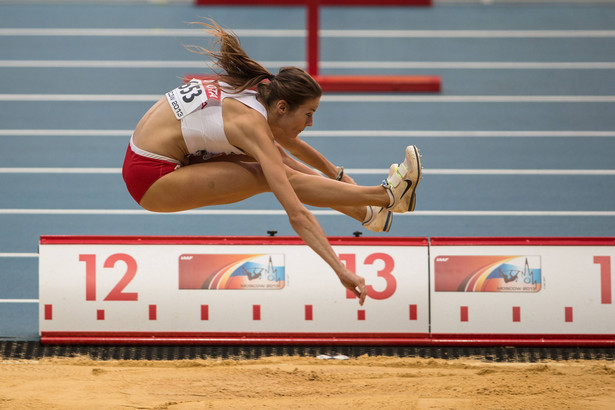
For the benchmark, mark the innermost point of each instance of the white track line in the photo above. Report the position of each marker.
(469, 65)
(81, 97)
(65, 133)
(356, 98)
(26, 170)
(18, 255)
(355, 171)
(338, 133)
(512, 213)
(452, 134)
(468, 33)
(272, 212)
(435, 171)
(299, 33)
(19, 300)
(468, 98)
(195, 64)
(347, 65)
(170, 32)
(518, 171)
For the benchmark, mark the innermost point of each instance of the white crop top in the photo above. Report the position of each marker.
(198, 105)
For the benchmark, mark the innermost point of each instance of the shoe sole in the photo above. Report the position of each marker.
(419, 169)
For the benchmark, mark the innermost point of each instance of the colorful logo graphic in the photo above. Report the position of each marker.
(487, 273)
(222, 271)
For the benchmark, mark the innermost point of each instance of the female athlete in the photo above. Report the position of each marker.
(219, 142)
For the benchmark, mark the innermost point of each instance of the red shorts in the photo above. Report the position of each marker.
(140, 171)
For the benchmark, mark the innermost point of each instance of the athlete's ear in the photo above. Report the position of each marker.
(282, 107)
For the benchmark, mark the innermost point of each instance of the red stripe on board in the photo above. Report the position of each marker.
(516, 314)
(48, 312)
(204, 312)
(511, 241)
(152, 312)
(413, 312)
(308, 312)
(223, 240)
(463, 313)
(100, 314)
(568, 314)
(383, 339)
(256, 312)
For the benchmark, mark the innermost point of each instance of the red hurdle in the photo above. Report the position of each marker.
(342, 83)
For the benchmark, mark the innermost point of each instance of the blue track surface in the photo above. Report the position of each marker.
(515, 132)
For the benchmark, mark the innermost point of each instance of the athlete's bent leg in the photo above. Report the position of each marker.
(204, 184)
(224, 182)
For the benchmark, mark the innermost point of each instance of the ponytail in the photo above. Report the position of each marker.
(241, 72)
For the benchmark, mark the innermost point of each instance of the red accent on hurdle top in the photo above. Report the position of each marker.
(364, 83)
(379, 83)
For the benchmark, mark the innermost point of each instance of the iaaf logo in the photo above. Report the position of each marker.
(186, 258)
(441, 259)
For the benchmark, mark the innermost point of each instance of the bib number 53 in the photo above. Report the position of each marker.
(190, 90)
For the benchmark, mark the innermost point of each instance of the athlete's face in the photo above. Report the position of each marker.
(295, 121)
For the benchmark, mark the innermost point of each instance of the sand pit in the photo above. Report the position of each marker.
(306, 383)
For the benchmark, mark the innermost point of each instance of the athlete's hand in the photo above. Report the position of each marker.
(355, 283)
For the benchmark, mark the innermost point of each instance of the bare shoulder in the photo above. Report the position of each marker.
(244, 127)
(234, 111)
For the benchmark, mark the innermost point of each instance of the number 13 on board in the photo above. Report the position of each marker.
(386, 273)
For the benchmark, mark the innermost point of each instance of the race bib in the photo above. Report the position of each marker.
(192, 96)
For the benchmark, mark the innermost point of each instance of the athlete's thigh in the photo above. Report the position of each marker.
(209, 183)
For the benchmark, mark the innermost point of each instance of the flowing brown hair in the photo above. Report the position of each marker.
(292, 84)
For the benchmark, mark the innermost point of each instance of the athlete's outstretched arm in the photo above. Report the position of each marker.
(249, 131)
